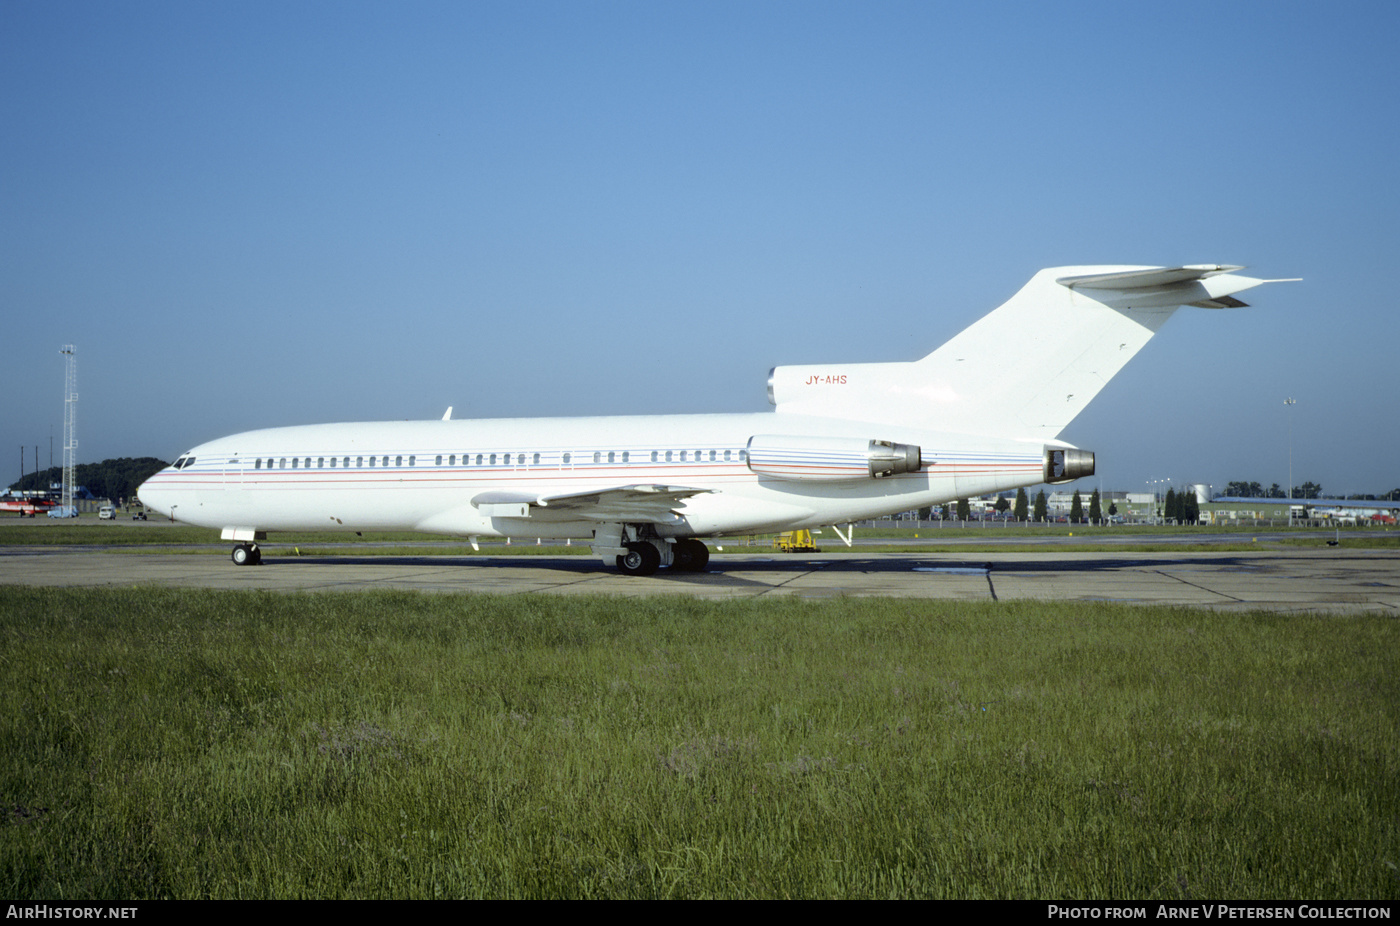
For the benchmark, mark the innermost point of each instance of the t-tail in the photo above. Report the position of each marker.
(1025, 370)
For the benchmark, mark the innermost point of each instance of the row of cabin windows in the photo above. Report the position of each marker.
(490, 459)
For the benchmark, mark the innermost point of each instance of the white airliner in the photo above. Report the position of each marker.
(847, 441)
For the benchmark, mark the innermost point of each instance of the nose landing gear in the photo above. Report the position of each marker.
(247, 554)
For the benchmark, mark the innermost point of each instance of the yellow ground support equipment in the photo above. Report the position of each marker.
(795, 542)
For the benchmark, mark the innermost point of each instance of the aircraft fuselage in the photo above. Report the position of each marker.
(431, 475)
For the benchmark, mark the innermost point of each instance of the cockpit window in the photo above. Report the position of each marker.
(183, 462)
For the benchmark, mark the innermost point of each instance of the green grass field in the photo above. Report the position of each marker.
(164, 743)
(159, 537)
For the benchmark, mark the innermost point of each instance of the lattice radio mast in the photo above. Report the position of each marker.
(70, 422)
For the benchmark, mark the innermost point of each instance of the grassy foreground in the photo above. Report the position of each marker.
(167, 743)
(160, 537)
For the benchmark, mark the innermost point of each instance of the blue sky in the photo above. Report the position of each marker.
(256, 214)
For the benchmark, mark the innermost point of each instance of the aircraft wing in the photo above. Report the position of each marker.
(656, 504)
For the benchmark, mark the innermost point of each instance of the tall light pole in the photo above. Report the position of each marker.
(70, 425)
(1290, 403)
(1154, 484)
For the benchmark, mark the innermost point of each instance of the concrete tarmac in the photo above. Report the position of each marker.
(1334, 580)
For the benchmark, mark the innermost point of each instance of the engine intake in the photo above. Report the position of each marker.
(829, 459)
(1062, 465)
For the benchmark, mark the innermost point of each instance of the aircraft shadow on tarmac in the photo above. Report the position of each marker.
(762, 564)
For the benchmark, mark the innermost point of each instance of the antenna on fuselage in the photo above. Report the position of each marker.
(447, 415)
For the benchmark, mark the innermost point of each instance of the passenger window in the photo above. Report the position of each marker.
(653, 456)
(520, 459)
(624, 456)
(537, 459)
(294, 462)
(682, 456)
(439, 460)
(371, 461)
(712, 456)
(359, 462)
(743, 455)
(332, 462)
(726, 456)
(566, 458)
(478, 459)
(597, 456)
(320, 462)
(668, 456)
(610, 456)
(412, 458)
(493, 459)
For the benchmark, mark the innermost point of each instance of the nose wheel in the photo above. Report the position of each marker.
(247, 554)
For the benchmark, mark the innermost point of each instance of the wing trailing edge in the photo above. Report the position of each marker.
(656, 504)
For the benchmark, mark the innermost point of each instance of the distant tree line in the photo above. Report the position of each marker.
(110, 479)
(1306, 490)
(1255, 490)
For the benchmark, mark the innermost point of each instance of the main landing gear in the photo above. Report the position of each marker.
(690, 555)
(247, 554)
(643, 557)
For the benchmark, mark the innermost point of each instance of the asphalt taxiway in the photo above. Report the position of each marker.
(1322, 579)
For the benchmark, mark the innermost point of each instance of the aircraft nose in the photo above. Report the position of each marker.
(153, 497)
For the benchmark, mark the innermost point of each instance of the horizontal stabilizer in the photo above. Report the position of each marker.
(1144, 277)
(1224, 302)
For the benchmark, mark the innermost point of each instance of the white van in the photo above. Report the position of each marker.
(107, 513)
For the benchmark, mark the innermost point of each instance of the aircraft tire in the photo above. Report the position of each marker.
(641, 559)
(243, 555)
(690, 555)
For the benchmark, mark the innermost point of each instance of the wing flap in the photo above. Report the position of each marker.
(649, 503)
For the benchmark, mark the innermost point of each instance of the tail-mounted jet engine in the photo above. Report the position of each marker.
(829, 459)
(1067, 465)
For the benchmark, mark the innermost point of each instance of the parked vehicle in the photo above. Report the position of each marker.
(107, 513)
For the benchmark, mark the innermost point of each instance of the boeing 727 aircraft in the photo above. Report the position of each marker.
(845, 442)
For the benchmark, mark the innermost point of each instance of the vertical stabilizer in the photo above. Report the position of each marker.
(1026, 369)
